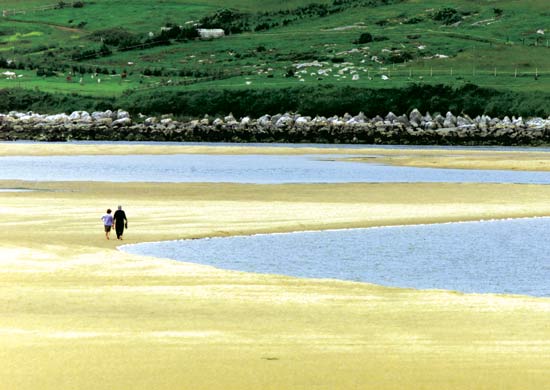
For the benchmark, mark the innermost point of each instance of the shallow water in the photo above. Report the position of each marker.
(293, 145)
(510, 256)
(261, 169)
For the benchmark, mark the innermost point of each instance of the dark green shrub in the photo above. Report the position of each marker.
(413, 20)
(333, 100)
(116, 36)
(398, 57)
(232, 22)
(365, 37)
(181, 33)
(104, 50)
(447, 16)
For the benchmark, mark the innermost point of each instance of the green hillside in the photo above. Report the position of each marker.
(108, 48)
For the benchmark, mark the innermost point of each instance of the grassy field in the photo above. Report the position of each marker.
(497, 44)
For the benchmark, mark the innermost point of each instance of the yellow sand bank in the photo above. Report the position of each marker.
(77, 314)
(520, 161)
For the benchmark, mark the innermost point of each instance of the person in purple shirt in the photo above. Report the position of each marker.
(108, 223)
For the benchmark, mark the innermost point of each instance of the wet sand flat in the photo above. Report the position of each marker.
(77, 313)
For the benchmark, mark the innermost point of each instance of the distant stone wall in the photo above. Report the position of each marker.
(414, 128)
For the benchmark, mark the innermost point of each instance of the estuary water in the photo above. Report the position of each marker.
(260, 169)
(484, 257)
(507, 256)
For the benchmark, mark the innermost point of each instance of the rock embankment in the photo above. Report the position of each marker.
(414, 128)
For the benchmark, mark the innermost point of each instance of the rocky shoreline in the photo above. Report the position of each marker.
(415, 129)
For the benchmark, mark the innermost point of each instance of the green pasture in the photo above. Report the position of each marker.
(142, 17)
(137, 15)
(396, 79)
(91, 85)
(24, 4)
(246, 5)
(112, 86)
(498, 44)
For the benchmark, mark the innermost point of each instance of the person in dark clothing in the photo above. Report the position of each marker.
(120, 222)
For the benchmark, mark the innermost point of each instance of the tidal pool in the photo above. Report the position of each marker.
(506, 256)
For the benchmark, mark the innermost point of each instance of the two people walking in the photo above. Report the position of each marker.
(118, 221)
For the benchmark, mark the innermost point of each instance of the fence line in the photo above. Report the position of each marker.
(453, 72)
(12, 12)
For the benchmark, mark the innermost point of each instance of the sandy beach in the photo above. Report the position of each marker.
(76, 313)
